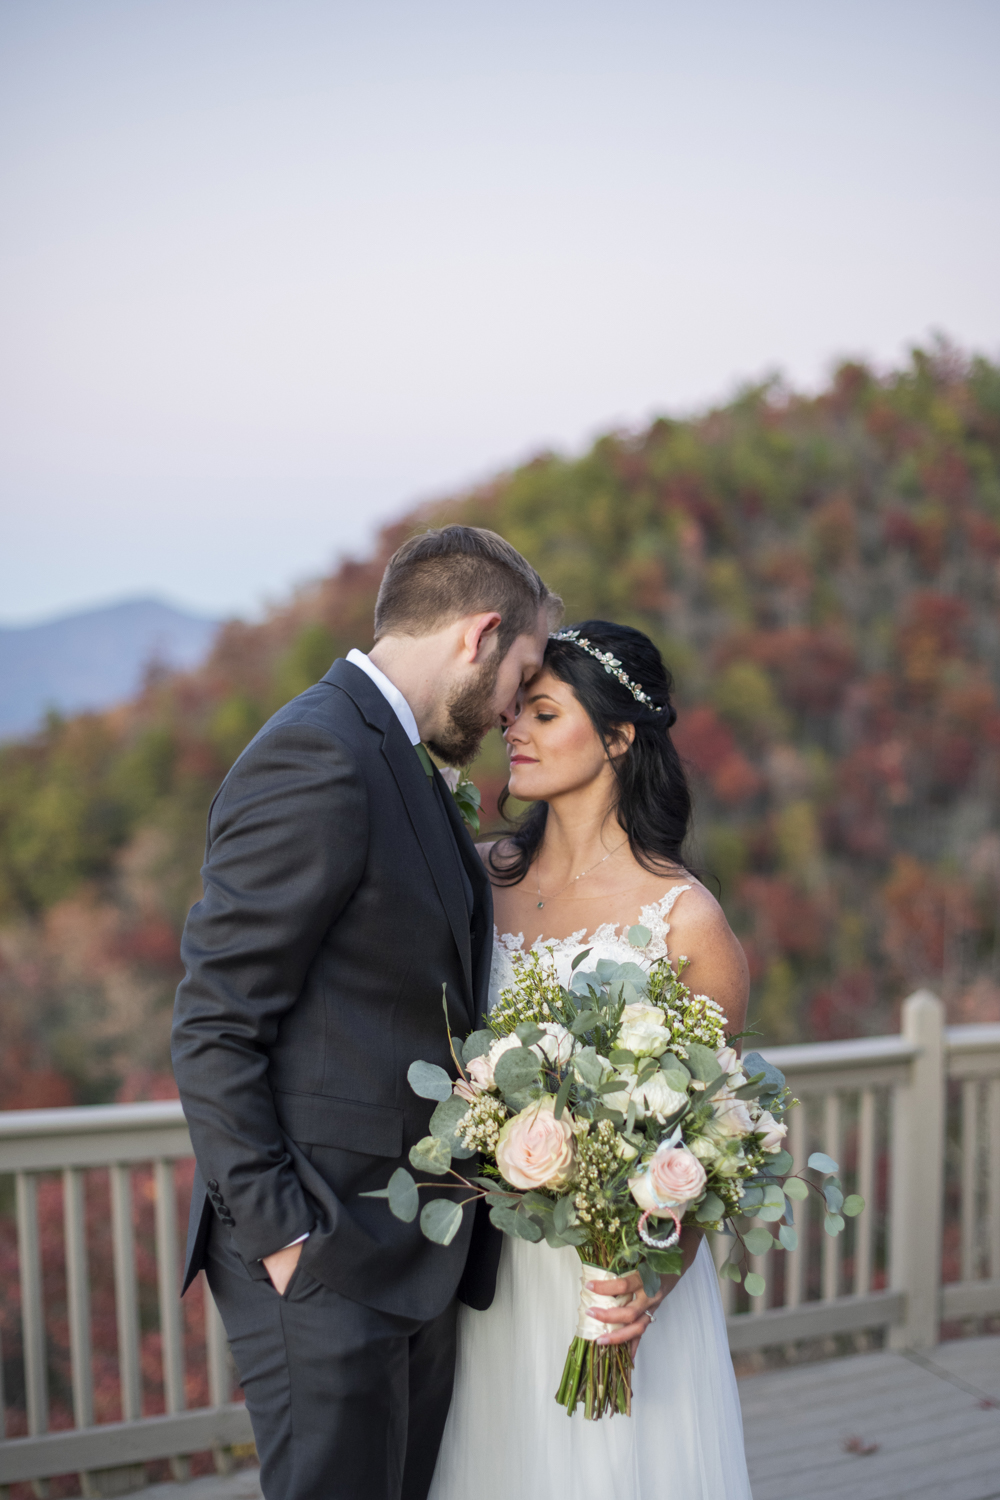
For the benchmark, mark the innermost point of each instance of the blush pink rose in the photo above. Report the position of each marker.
(535, 1149)
(671, 1179)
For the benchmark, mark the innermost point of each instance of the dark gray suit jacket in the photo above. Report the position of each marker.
(335, 909)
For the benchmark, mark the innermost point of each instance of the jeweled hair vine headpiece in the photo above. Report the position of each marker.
(610, 664)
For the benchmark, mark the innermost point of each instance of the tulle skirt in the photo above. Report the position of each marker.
(506, 1439)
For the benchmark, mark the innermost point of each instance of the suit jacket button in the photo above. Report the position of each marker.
(213, 1186)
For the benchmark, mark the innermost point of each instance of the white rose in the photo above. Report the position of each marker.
(558, 1045)
(730, 1117)
(451, 776)
(643, 1031)
(703, 1149)
(658, 1099)
(771, 1132)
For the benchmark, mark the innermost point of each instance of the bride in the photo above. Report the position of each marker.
(599, 851)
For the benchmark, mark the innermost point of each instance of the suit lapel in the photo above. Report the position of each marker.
(482, 916)
(419, 799)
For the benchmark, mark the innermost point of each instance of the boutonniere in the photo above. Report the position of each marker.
(466, 794)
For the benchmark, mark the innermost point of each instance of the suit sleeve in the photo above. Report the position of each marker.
(286, 850)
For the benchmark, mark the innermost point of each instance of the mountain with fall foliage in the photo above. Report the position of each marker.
(822, 574)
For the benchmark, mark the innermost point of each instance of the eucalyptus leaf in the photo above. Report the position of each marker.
(585, 1021)
(564, 1213)
(376, 1193)
(773, 1196)
(833, 1224)
(788, 1236)
(622, 1058)
(562, 1097)
(649, 1278)
(751, 1197)
(820, 1162)
(440, 1220)
(428, 1080)
(432, 1154)
(781, 1163)
(666, 1262)
(608, 970)
(796, 1188)
(853, 1205)
(676, 1080)
(731, 1272)
(528, 1033)
(702, 1062)
(755, 1284)
(639, 936)
(578, 960)
(633, 975)
(477, 1045)
(516, 1069)
(710, 1209)
(834, 1197)
(499, 1200)
(770, 1213)
(758, 1241)
(448, 1116)
(670, 1063)
(585, 983)
(774, 1078)
(525, 1228)
(588, 1067)
(404, 1199)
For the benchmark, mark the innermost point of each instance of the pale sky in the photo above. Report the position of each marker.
(271, 271)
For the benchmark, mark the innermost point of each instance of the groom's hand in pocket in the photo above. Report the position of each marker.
(281, 1264)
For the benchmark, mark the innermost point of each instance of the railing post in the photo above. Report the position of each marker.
(918, 1125)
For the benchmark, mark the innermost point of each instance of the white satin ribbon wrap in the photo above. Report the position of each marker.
(586, 1326)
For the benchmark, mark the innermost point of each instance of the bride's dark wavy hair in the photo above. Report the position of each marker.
(653, 805)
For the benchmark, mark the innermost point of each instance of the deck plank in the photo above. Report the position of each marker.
(936, 1440)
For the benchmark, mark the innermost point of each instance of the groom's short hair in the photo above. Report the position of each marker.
(452, 571)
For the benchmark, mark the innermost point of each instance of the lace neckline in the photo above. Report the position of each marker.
(655, 917)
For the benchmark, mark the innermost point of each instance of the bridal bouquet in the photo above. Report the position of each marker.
(606, 1115)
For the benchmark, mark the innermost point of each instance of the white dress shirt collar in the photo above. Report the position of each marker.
(390, 692)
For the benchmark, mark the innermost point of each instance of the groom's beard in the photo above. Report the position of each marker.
(471, 716)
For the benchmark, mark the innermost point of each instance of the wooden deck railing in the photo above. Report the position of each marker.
(914, 1120)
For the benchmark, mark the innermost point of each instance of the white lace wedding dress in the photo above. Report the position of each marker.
(507, 1439)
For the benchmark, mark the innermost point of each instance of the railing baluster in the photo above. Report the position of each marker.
(32, 1313)
(831, 1244)
(795, 1260)
(864, 1224)
(126, 1301)
(993, 1174)
(168, 1285)
(78, 1292)
(220, 1374)
(969, 1178)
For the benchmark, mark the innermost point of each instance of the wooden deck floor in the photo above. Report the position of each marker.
(930, 1425)
(932, 1421)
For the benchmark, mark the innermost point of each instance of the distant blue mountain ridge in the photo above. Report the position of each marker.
(93, 659)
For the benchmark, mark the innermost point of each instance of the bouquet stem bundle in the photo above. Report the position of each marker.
(599, 1376)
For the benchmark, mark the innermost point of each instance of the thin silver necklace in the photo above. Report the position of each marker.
(542, 900)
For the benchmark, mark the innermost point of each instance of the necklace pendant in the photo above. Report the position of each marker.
(540, 905)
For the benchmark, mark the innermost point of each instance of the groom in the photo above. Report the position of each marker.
(342, 893)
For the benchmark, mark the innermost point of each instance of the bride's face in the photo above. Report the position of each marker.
(552, 746)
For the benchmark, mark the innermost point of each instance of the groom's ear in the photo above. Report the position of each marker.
(480, 635)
